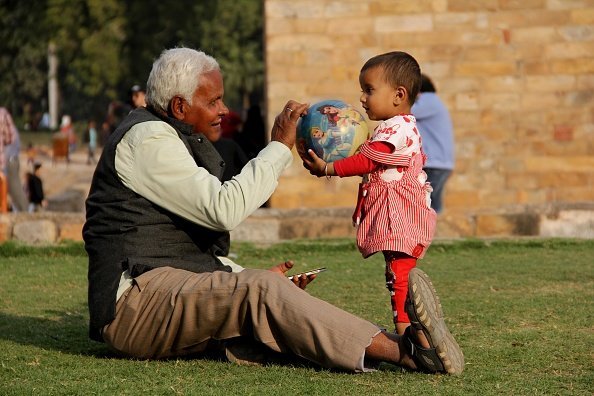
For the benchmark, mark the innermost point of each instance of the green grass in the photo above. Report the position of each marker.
(522, 312)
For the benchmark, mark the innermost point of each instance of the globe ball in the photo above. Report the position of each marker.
(333, 129)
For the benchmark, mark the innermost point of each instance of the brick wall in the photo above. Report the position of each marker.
(517, 76)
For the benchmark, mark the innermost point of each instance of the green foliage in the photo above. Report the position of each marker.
(89, 35)
(153, 26)
(521, 311)
(229, 30)
(232, 32)
(23, 50)
(106, 46)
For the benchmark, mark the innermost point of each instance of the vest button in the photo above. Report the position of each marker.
(199, 140)
(222, 164)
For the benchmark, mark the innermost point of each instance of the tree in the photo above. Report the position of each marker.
(229, 30)
(89, 36)
(106, 46)
(154, 25)
(232, 31)
(23, 50)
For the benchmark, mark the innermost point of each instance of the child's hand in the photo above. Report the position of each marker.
(316, 166)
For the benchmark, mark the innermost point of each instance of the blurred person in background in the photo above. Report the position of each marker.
(35, 187)
(67, 131)
(137, 96)
(91, 138)
(232, 153)
(10, 146)
(435, 125)
(252, 137)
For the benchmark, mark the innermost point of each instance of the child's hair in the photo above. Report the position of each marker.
(399, 69)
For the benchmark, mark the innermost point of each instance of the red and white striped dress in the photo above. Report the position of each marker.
(396, 212)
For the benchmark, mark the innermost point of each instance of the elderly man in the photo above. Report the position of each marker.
(157, 233)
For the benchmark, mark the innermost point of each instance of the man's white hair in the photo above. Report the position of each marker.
(176, 73)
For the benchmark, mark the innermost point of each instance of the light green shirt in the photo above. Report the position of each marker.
(152, 161)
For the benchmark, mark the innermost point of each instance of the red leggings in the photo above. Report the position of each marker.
(398, 265)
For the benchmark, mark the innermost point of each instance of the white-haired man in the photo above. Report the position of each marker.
(157, 233)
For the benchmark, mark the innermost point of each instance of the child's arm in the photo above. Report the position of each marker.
(357, 164)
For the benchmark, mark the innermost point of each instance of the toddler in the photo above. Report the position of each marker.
(393, 213)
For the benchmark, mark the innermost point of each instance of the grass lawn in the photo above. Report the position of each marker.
(522, 312)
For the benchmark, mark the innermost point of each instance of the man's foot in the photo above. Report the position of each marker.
(424, 310)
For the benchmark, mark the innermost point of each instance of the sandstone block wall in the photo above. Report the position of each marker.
(268, 226)
(517, 76)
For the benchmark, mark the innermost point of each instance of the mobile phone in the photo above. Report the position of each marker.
(310, 272)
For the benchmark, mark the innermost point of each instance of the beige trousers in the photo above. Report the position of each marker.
(172, 312)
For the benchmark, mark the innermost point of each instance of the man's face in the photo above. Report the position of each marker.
(207, 108)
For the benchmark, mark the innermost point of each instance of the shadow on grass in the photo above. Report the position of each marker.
(66, 332)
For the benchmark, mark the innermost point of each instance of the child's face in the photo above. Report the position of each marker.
(316, 133)
(378, 98)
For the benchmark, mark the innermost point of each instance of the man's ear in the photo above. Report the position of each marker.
(400, 96)
(177, 108)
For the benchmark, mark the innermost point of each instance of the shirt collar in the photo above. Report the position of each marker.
(181, 126)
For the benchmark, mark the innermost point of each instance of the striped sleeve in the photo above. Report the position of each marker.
(358, 164)
(385, 158)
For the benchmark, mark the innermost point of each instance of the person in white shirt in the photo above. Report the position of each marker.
(157, 236)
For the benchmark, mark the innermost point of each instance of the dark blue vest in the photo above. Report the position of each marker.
(123, 230)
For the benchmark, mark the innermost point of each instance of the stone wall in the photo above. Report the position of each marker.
(517, 76)
(41, 228)
(267, 226)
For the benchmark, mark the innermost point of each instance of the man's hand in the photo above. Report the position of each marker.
(300, 282)
(284, 129)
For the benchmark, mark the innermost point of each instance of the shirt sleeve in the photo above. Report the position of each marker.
(359, 164)
(423, 107)
(153, 161)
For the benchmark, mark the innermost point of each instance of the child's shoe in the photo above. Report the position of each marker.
(424, 310)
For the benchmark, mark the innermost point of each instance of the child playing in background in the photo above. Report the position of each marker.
(393, 212)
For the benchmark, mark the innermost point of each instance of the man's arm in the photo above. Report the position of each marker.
(152, 161)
